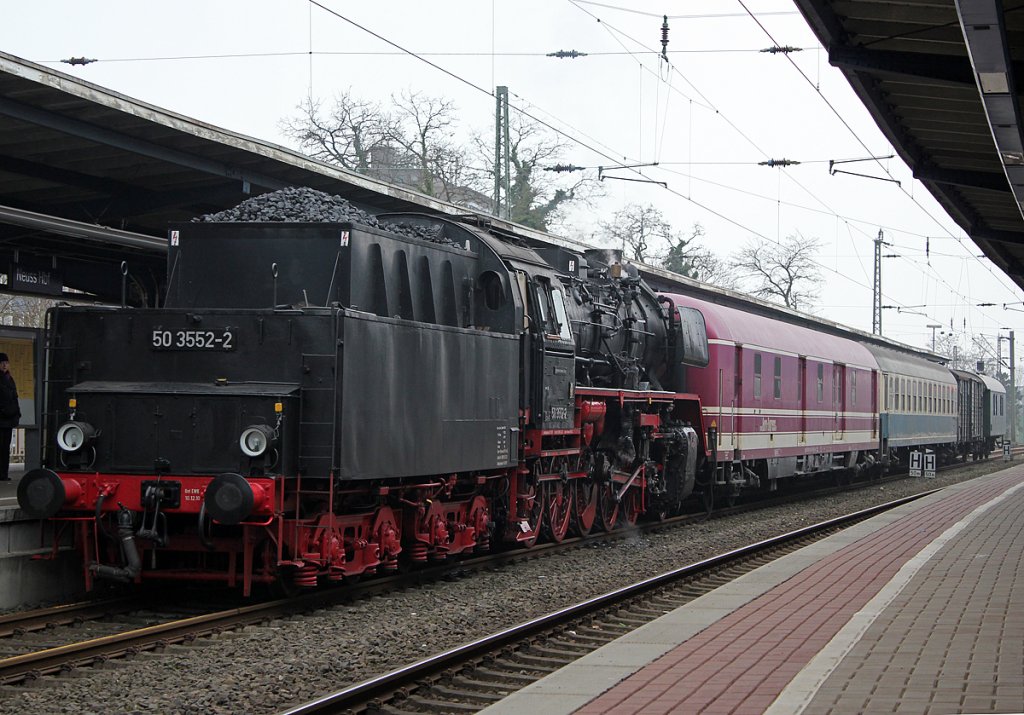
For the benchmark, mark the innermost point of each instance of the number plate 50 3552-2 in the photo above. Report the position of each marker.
(220, 339)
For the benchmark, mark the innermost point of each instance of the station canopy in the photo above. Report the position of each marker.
(90, 179)
(943, 80)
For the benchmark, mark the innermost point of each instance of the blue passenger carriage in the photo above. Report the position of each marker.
(918, 404)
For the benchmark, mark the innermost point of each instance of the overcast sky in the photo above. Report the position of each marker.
(709, 116)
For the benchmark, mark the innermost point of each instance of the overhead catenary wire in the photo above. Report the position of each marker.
(540, 54)
(694, 16)
(527, 113)
(842, 120)
(611, 29)
(446, 53)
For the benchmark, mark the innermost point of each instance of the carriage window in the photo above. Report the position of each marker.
(853, 388)
(757, 374)
(821, 382)
(778, 377)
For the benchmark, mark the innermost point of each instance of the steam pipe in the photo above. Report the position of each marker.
(133, 566)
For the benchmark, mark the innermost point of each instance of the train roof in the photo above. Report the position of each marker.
(734, 325)
(910, 365)
(967, 376)
(993, 384)
(665, 281)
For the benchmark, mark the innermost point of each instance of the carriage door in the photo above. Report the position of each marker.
(801, 394)
(839, 401)
(736, 403)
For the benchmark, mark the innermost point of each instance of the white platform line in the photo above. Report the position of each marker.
(802, 689)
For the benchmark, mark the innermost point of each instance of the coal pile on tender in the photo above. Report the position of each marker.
(305, 205)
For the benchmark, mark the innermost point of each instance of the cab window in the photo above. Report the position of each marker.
(551, 309)
(558, 299)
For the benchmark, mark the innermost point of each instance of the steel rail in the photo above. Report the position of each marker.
(31, 665)
(383, 685)
(12, 624)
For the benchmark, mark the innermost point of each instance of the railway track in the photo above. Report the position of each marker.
(478, 674)
(93, 632)
(58, 640)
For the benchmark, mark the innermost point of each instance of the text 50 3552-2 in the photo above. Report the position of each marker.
(193, 339)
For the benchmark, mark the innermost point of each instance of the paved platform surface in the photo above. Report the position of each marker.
(918, 610)
(9, 490)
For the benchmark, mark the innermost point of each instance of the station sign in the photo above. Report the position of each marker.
(915, 463)
(922, 464)
(929, 464)
(25, 279)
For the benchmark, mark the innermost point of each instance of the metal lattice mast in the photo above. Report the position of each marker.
(876, 315)
(502, 180)
(1013, 392)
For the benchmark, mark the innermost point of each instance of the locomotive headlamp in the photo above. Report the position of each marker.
(256, 439)
(72, 436)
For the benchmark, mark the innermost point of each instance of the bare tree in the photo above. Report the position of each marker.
(688, 257)
(29, 311)
(782, 271)
(643, 233)
(412, 145)
(963, 350)
(422, 128)
(640, 231)
(345, 134)
(537, 197)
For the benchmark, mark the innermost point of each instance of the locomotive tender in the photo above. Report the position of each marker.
(319, 401)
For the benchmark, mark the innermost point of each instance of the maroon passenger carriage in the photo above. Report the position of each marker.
(785, 400)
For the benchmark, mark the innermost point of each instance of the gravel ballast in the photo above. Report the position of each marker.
(265, 669)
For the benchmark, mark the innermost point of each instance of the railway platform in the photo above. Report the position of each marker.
(917, 610)
(9, 490)
(24, 577)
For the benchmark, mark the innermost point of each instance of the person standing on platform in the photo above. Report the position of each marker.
(10, 415)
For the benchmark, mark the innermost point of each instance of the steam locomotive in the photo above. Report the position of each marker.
(319, 401)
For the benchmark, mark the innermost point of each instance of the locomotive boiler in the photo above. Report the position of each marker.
(318, 401)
